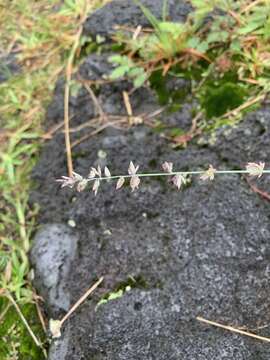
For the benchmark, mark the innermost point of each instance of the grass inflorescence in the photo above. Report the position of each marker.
(178, 178)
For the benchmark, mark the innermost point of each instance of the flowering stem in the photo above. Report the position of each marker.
(184, 173)
(178, 177)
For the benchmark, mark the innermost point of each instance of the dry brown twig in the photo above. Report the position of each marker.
(233, 329)
(137, 32)
(49, 134)
(132, 120)
(115, 121)
(42, 320)
(127, 103)
(251, 5)
(37, 342)
(245, 105)
(96, 102)
(4, 312)
(92, 123)
(98, 130)
(67, 88)
(56, 325)
(133, 30)
(194, 131)
(254, 188)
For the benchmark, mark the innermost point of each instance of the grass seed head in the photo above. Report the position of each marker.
(167, 166)
(255, 169)
(208, 174)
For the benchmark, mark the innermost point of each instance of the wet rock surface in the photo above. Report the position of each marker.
(200, 252)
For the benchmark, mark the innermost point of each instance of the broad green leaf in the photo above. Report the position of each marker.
(136, 71)
(193, 42)
(218, 36)
(266, 30)
(203, 46)
(117, 59)
(140, 80)
(196, 43)
(248, 28)
(235, 45)
(119, 72)
(175, 29)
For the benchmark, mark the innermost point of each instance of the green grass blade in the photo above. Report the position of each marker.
(165, 10)
(148, 14)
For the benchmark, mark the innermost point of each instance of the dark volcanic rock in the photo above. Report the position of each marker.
(202, 251)
(95, 67)
(249, 140)
(127, 13)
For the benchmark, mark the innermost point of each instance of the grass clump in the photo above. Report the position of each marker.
(219, 38)
(39, 35)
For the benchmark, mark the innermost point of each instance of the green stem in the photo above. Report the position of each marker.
(164, 10)
(185, 173)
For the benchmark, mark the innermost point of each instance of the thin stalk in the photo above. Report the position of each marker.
(36, 340)
(184, 173)
(69, 70)
(80, 301)
(233, 329)
(164, 10)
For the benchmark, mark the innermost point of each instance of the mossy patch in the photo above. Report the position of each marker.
(218, 99)
(172, 98)
(15, 341)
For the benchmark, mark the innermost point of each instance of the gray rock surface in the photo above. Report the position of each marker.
(53, 250)
(202, 251)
